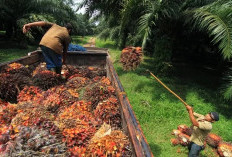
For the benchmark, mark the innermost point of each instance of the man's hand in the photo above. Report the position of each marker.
(189, 108)
(26, 27)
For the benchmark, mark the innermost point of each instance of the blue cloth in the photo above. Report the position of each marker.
(52, 58)
(194, 149)
(73, 47)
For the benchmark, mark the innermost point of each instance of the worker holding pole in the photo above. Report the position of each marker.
(54, 43)
(201, 125)
(200, 129)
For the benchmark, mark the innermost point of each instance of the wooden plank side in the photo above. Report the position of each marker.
(26, 60)
(139, 142)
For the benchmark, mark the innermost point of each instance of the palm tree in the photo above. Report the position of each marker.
(15, 13)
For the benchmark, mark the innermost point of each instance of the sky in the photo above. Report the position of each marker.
(82, 10)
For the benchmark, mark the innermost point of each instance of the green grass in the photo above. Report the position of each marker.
(159, 112)
(14, 53)
(80, 40)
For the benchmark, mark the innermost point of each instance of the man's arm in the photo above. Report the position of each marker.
(197, 114)
(191, 116)
(26, 27)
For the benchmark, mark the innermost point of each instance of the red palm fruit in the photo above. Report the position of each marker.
(4, 138)
(184, 139)
(2, 148)
(213, 140)
(176, 132)
(131, 57)
(175, 141)
(224, 149)
(185, 129)
(14, 68)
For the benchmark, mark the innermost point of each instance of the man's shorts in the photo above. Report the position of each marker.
(51, 58)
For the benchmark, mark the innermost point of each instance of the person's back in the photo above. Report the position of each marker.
(56, 38)
(54, 43)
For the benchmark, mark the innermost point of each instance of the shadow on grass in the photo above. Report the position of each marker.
(155, 148)
(184, 80)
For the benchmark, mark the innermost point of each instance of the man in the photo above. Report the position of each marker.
(54, 43)
(201, 127)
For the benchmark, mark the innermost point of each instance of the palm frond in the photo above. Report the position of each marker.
(216, 19)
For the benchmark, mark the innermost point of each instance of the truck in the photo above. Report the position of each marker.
(100, 57)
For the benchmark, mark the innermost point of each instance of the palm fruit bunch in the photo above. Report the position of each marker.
(11, 84)
(224, 149)
(32, 141)
(99, 91)
(74, 115)
(114, 144)
(181, 138)
(16, 68)
(213, 140)
(41, 67)
(185, 129)
(92, 72)
(77, 151)
(51, 102)
(48, 125)
(3, 104)
(108, 112)
(76, 82)
(30, 93)
(131, 57)
(29, 116)
(175, 141)
(7, 114)
(47, 79)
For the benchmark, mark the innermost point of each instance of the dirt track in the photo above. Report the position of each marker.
(91, 42)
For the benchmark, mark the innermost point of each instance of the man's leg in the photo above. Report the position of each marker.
(52, 59)
(194, 150)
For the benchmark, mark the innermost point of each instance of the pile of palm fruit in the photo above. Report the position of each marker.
(131, 57)
(46, 114)
(183, 133)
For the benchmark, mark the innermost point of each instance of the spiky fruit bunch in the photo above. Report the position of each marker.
(185, 129)
(48, 125)
(213, 140)
(32, 141)
(115, 144)
(47, 79)
(184, 139)
(99, 91)
(108, 112)
(30, 93)
(78, 136)
(11, 84)
(7, 114)
(3, 104)
(92, 72)
(78, 151)
(30, 116)
(74, 115)
(76, 82)
(41, 67)
(176, 132)
(131, 57)
(16, 68)
(52, 102)
(175, 141)
(224, 149)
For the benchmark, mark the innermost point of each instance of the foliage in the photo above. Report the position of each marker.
(158, 112)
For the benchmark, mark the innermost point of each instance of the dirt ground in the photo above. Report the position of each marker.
(91, 42)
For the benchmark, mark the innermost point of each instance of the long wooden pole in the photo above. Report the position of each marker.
(168, 88)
